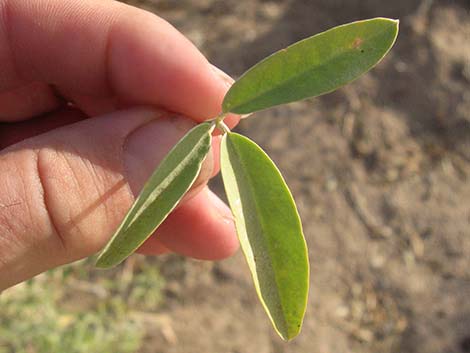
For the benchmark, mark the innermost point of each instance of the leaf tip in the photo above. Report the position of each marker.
(103, 262)
(392, 22)
(395, 22)
(290, 334)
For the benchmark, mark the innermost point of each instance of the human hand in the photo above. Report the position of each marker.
(66, 181)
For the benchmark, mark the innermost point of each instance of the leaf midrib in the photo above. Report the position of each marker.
(170, 179)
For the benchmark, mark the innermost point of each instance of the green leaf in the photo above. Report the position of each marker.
(160, 195)
(313, 66)
(269, 230)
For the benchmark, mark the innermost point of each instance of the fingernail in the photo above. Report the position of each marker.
(146, 147)
(226, 79)
(223, 211)
(232, 119)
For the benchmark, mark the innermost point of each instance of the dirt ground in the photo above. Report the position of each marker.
(380, 171)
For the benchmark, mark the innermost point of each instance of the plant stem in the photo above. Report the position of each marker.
(219, 123)
(219, 118)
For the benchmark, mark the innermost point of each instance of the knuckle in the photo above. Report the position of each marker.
(60, 187)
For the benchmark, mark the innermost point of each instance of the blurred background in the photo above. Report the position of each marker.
(380, 171)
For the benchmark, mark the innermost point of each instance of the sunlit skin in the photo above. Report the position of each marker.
(86, 88)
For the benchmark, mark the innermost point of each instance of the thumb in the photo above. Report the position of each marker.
(63, 193)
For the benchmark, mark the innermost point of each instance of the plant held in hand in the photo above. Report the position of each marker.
(266, 218)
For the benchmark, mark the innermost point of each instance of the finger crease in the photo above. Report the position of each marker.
(108, 82)
(42, 192)
(5, 15)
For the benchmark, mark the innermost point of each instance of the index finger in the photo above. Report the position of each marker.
(106, 49)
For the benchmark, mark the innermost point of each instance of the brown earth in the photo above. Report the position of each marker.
(380, 171)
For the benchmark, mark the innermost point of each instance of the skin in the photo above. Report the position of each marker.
(86, 91)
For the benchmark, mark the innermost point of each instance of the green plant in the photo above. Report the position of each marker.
(266, 217)
(70, 309)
